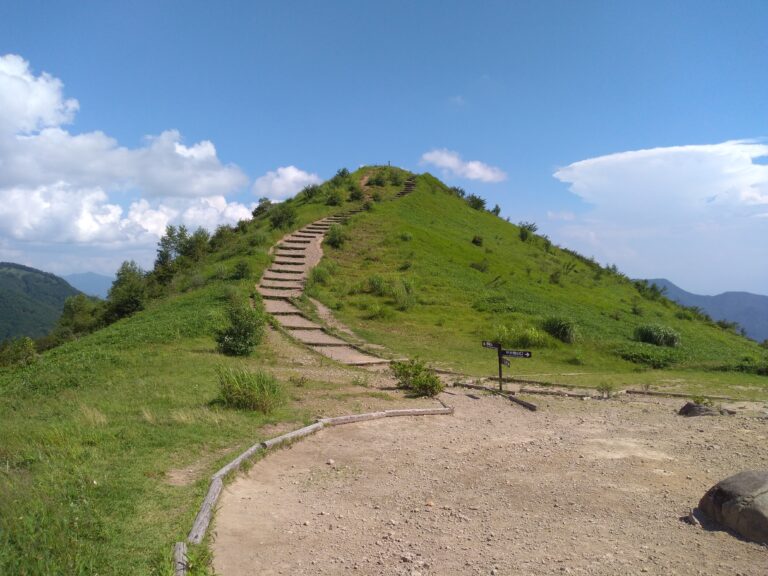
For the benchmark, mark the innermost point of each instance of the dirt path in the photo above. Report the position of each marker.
(580, 487)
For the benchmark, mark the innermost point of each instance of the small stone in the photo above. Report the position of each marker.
(331, 462)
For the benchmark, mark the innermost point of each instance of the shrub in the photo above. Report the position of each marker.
(404, 295)
(311, 191)
(496, 210)
(260, 391)
(242, 270)
(657, 335)
(475, 202)
(458, 191)
(17, 352)
(564, 329)
(415, 376)
(606, 389)
(477, 240)
(367, 206)
(379, 312)
(395, 178)
(245, 330)
(127, 294)
(334, 198)
(377, 179)
(376, 195)
(355, 193)
(282, 215)
(379, 286)
(335, 237)
(406, 236)
(526, 230)
(519, 337)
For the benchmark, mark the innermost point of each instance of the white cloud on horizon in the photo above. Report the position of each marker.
(283, 183)
(64, 191)
(689, 212)
(452, 163)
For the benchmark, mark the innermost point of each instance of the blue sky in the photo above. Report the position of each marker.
(634, 132)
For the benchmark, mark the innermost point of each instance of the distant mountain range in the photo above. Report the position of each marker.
(749, 310)
(31, 300)
(91, 283)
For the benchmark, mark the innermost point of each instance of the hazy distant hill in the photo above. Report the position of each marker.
(749, 310)
(30, 300)
(90, 283)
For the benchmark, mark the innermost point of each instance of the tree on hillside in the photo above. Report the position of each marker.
(496, 210)
(475, 201)
(127, 294)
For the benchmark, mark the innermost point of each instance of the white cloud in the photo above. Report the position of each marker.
(283, 183)
(29, 102)
(60, 189)
(686, 212)
(452, 163)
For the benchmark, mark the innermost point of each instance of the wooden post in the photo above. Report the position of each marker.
(501, 378)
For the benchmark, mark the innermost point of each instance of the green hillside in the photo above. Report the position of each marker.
(432, 277)
(93, 429)
(30, 300)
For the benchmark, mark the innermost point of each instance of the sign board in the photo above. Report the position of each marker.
(488, 344)
(516, 353)
(505, 362)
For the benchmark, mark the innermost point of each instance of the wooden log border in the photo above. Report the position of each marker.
(204, 515)
(507, 394)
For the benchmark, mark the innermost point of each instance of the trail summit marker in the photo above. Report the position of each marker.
(501, 353)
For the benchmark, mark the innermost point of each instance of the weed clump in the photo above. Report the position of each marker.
(245, 330)
(657, 335)
(564, 329)
(335, 237)
(417, 377)
(477, 240)
(260, 391)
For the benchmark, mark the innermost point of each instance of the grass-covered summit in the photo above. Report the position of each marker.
(435, 273)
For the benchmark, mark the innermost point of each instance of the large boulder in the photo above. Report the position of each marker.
(741, 504)
(693, 409)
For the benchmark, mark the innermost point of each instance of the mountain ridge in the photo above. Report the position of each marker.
(31, 300)
(749, 310)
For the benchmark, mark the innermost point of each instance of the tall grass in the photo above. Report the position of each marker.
(564, 329)
(242, 389)
(657, 335)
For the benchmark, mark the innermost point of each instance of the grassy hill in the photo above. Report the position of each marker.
(93, 428)
(30, 300)
(430, 276)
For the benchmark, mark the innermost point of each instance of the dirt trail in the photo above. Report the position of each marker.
(580, 487)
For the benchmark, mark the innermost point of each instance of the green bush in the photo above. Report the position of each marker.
(311, 191)
(355, 193)
(376, 195)
(17, 352)
(657, 335)
(260, 391)
(245, 330)
(282, 216)
(379, 312)
(526, 230)
(477, 240)
(415, 376)
(564, 329)
(378, 285)
(242, 270)
(404, 296)
(335, 237)
(475, 201)
(334, 198)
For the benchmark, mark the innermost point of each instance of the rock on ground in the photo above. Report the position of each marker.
(741, 504)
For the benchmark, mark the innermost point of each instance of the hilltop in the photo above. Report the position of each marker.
(110, 437)
(30, 300)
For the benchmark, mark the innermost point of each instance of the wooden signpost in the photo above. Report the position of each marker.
(502, 354)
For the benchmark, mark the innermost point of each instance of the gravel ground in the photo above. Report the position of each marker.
(579, 487)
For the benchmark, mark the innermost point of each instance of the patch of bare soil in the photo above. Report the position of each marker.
(579, 487)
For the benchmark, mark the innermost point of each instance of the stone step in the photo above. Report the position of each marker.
(280, 307)
(297, 321)
(282, 253)
(294, 271)
(315, 337)
(288, 263)
(271, 293)
(348, 355)
(281, 276)
(297, 241)
(281, 284)
(291, 247)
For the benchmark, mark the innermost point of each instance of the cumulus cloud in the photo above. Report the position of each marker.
(58, 188)
(452, 163)
(29, 102)
(282, 183)
(690, 213)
